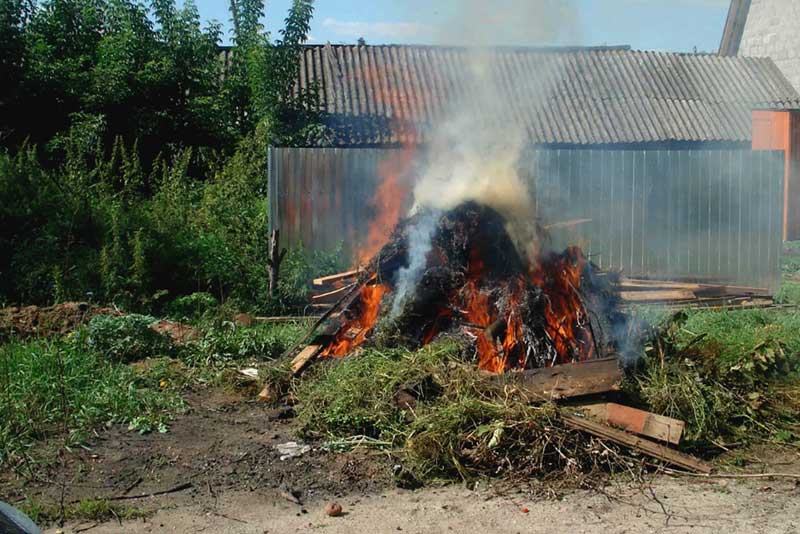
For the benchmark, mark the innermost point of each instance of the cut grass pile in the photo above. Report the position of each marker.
(729, 374)
(447, 417)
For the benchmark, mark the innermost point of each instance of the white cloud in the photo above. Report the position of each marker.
(378, 30)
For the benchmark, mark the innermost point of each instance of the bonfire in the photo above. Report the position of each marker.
(471, 280)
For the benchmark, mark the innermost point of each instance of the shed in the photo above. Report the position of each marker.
(654, 147)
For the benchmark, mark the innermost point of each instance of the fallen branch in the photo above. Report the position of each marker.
(669, 471)
(179, 487)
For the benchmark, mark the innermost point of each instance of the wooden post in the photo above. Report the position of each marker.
(274, 260)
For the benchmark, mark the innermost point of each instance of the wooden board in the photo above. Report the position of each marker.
(636, 284)
(304, 357)
(639, 422)
(567, 381)
(331, 296)
(286, 319)
(645, 446)
(336, 277)
(657, 296)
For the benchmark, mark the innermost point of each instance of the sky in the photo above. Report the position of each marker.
(674, 25)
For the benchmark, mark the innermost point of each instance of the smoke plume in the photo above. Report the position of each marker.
(474, 151)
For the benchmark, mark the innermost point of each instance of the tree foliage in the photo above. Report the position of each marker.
(152, 74)
(132, 163)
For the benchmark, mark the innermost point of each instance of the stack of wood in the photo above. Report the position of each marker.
(328, 290)
(693, 295)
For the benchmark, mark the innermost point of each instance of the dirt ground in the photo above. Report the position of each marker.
(225, 448)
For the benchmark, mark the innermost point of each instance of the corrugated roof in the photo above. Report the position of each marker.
(392, 94)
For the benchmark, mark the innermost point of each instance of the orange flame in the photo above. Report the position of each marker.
(474, 304)
(389, 201)
(567, 323)
(355, 332)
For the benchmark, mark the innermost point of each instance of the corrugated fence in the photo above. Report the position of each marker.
(707, 215)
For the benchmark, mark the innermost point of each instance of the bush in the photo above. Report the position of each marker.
(192, 306)
(126, 338)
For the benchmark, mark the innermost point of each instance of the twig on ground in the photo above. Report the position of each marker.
(733, 475)
(180, 487)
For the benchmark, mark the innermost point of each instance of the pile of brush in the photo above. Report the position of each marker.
(460, 273)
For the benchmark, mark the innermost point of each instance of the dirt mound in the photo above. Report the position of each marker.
(50, 320)
(180, 333)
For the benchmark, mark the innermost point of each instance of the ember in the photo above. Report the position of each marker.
(519, 313)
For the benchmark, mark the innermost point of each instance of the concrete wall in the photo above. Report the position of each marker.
(773, 30)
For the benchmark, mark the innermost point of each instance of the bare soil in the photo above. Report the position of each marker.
(49, 320)
(223, 443)
(225, 447)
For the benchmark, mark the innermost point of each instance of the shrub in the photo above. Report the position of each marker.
(192, 306)
(126, 338)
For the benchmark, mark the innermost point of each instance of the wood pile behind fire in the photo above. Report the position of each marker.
(550, 324)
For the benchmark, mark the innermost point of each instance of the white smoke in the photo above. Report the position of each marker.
(474, 151)
(419, 245)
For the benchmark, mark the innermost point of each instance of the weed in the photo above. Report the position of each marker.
(47, 386)
(224, 343)
(194, 306)
(98, 510)
(126, 338)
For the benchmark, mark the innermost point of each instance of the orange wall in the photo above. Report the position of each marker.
(780, 130)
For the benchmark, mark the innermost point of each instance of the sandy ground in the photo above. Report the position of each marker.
(227, 449)
(674, 505)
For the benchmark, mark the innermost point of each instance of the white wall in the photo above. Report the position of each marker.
(773, 30)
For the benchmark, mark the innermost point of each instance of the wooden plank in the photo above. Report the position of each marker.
(336, 293)
(657, 296)
(700, 289)
(567, 381)
(286, 319)
(304, 358)
(639, 422)
(336, 277)
(645, 446)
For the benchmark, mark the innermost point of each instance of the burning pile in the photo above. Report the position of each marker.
(519, 313)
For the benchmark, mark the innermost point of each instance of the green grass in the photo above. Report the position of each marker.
(69, 386)
(225, 345)
(47, 386)
(86, 510)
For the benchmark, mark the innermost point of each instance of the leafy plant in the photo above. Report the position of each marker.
(126, 338)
